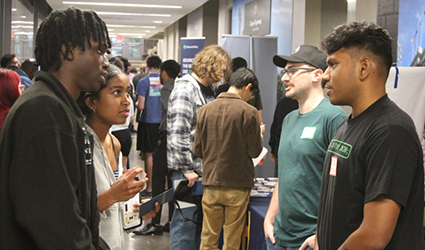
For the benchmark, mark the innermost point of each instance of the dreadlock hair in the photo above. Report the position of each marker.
(71, 27)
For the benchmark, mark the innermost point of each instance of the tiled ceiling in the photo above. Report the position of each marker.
(150, 21)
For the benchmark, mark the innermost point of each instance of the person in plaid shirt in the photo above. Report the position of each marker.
(190, 93)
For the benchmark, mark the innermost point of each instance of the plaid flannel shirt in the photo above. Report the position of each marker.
(183, 104)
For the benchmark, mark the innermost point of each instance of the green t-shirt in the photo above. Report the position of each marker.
(303, 144)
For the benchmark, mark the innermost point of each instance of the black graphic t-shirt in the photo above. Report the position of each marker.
(208, 92)
(375, 153)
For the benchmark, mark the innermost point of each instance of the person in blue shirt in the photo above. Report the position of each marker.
(149, 103)
(26, 71)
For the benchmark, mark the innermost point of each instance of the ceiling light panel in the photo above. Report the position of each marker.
(125, 5)
(130, 26)
(22, 27)
(129, 34)
(116, 14)
(129, 14)
(22, 22)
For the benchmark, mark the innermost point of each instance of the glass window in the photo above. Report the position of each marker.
(22, 31)
(131, 48)
(133, 40)
(134, 52)
(117, 49)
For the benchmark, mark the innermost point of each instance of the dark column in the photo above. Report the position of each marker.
(6, 27)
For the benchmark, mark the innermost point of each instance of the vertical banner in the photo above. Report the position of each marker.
(411, 33)
(190, 47)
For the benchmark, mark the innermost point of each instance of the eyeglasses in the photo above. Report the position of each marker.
(22, 87)
(291, 70)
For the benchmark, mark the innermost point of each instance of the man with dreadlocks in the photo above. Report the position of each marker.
(47, 187)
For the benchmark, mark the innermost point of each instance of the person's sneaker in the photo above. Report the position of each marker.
(149, 230)
(145, 194)
(166, 227)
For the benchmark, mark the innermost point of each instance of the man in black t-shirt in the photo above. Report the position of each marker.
(372, 184)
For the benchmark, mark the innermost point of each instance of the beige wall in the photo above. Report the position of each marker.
(334, 12)
(223, 18)
(298, 23)
(367, 10)
(323, 15)
(198, 23)
(194, 23)
(210, 22)
(313, 22)
(171, 42)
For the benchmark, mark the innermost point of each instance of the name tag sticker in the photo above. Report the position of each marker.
(308, 133)
(334, 161)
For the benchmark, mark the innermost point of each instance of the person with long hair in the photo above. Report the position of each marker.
(107, 106)
(10, 90)
(122, 131)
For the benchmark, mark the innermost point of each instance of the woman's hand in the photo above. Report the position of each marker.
(126, 187)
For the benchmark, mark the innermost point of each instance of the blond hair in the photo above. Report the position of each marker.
(208, 64)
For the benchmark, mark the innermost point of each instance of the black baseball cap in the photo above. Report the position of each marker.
(303, 54)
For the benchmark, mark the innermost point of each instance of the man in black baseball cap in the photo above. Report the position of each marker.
(306, 132)
(303, 54)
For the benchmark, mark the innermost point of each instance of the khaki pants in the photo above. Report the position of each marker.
(225, 208)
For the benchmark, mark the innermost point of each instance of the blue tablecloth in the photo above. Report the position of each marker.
(257, 209)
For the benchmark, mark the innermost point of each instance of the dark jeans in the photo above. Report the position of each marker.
(276, 246)
(185, 234)
(159, 172)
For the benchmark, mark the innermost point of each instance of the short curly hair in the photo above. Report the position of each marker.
(209, 62)
(153, 62)
(71, 27)
(363, 36)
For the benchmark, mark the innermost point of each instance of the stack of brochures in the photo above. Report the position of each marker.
(263, 187)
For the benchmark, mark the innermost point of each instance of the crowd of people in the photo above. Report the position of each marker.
(353, 182)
